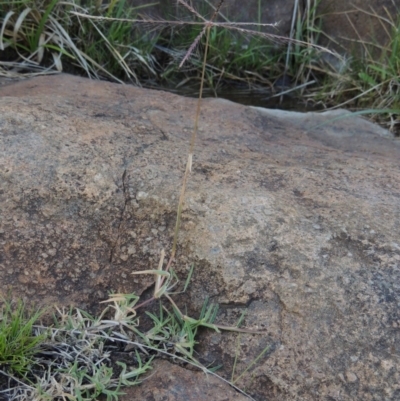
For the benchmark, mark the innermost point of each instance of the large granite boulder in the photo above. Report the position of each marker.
(293, 217)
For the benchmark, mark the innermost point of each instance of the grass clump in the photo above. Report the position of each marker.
(42, 36)
(114, 40)
(18, 342)
(70, 359)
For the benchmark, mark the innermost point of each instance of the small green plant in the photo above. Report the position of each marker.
(18, 342)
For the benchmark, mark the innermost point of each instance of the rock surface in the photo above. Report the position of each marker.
(169, 382)
(294, 217)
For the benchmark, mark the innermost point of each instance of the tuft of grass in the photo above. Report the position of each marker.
(42, 36)
(18, 342)
(113, 40)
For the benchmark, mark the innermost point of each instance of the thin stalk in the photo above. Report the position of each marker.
(236, 358)
(192, 142)
(252, 364)
(42, 23)
(289, 48)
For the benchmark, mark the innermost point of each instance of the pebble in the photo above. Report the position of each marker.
(351, 377)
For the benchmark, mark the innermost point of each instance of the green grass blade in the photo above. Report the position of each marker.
(188, 278)
(42, 22)
(252, 363)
